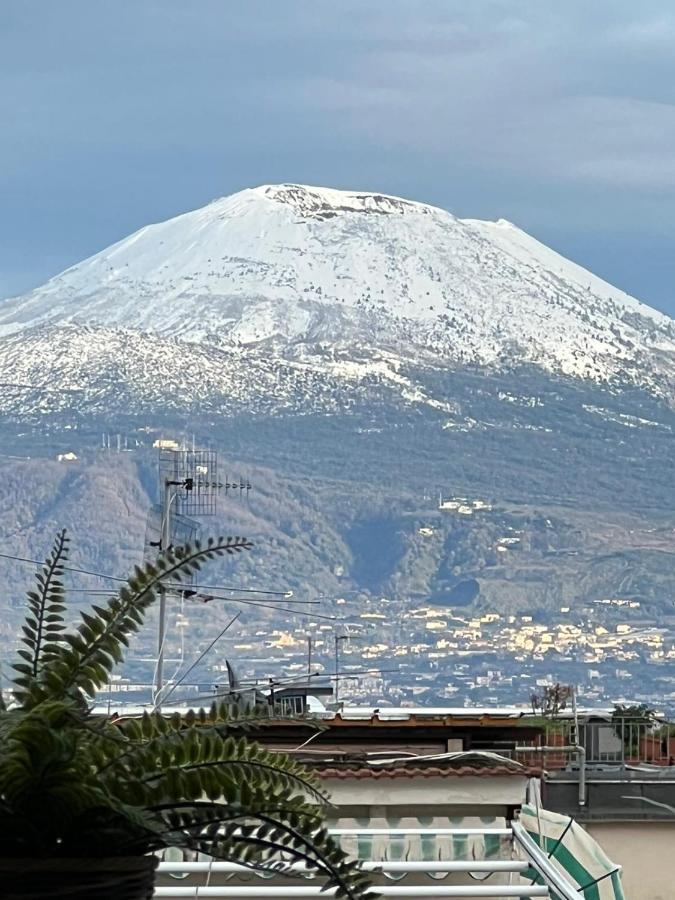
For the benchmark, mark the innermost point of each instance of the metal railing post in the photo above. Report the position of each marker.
(581, 756)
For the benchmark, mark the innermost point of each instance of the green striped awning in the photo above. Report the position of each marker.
(574, 852)
(425, 847)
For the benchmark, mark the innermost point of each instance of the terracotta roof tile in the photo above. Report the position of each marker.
(426, 772)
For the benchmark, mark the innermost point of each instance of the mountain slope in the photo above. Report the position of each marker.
(94, 370)
(281, 269)
(355, 357)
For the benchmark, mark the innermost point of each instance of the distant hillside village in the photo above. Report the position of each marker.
(610, 647)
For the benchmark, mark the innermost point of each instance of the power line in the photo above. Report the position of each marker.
(296, 612)
(220, 587)
(245, 600)
(200, 698)
(250, 686)
(201, 656)
(206, 597)
(40, 562)
(369, 671)
(187, 589)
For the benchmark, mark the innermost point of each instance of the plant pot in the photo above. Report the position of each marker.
(109, 878)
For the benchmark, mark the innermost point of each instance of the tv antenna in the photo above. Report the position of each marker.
(184, 530)
(188, 486)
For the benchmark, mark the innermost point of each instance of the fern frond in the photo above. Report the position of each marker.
(84, 660)
(134, 743)
(72, 784)
(198, 762)
(44, 622)
(266, 840)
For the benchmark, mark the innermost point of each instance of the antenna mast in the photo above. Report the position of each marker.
(188, 483)
(164, 544)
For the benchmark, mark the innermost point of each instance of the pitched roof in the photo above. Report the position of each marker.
(417, 772)
(460, 764)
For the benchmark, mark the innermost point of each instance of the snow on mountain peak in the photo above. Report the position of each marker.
(289, 266)
(326, 203)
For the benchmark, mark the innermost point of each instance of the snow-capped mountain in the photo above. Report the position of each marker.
(358, 355)
(294, 273)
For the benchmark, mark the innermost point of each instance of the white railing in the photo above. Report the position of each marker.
(431, 832)
(453, 890)
(513, 869)
(387, 865)
(178, 868)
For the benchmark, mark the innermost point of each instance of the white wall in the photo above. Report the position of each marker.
(646, 850)
(417, 792)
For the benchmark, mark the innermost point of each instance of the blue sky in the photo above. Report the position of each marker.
(558, 116)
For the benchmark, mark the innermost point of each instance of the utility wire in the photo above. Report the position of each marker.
(296, 612)
(201, 656)
(159, 656)
(219, 587)
(371, 671)
(331, 675)
(208, 597)
(328, 676)
(199, 698)
(248, 686)
(182, 647)
(40, 562)
(186, 589)
(247, 601)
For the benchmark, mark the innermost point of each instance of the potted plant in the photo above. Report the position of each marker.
(85, 801)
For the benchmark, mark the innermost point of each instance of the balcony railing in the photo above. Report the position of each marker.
(622, 741)
(513, 875)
